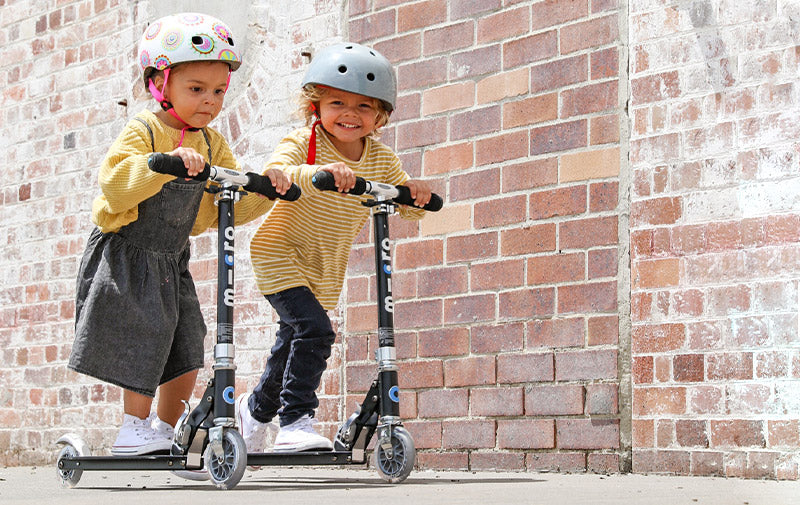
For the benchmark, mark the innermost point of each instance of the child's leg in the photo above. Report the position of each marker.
(265, 400)
(136, 404)
(311, 341)
(171, 393)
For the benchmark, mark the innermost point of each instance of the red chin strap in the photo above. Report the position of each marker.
(312, 141)
(158, 94)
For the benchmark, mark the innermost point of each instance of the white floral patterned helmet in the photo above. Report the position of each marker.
(185, 37)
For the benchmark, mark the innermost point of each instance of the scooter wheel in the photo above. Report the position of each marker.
(396, 468)
(227, 471)
(68, 478)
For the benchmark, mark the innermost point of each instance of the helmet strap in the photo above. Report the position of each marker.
(158, 94)
(312, 141)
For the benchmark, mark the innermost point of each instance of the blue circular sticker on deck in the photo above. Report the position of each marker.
(228, 395)
(394, 394)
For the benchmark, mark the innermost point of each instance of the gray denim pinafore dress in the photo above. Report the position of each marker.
(138, 322)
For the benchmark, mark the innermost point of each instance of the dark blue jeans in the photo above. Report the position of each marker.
(298, 358)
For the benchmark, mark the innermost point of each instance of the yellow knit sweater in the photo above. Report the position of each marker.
(125, 180)
(308, 242)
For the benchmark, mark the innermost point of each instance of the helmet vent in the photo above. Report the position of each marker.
(342, 69)
(370, 76)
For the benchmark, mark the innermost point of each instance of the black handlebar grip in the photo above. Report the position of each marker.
(404, 198)
(263, 185)
(172, 165)
(324, 181)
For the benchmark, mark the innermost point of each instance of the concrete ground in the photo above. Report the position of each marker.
(331, 486)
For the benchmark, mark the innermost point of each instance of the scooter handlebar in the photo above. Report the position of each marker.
(250, 181)
(325, 181)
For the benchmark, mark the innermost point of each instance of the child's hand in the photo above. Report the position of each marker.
(192, 160)
(344, 177)
(420, 191)
(279, 179)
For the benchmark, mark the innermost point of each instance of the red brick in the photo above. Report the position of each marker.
(586, 365)
(588, 99)
(659, 401)
(420, 14)
(488, 339)
(479, 370)
(554, 400)
(449, 158)
(416, 314)
(588, 297)
(603, 196)
(555, 333)
(378, 25)
(658, 273)
(443, 403)
(444, 342)
(496, 461)
(526, 50)
(783, 433)
(421, 133)
(472, 8)
(603, 330)
(730, 366)
(500, 211)
(658, 338)
(604, 63)
(585, 233)
(426, 434)
(529, 111)
(464, 125)
(587, 433)
(419, 374)
(688, 368)
(471, 308)
(499, 148)
(592, 33)
(526, 303)
(477, 62)
(439, 281)
(476, 246)
(529, 175)
(603, 463)
(558, 137)
(556, 269)
(477, 434)
(526, 434)
(665, 462)
(737, 433)
(484, 183)
(653, 88)
(531, 239)
(496, 274)
(418, 254)
(556, 12)
(656, 211)
(558, 73)
(604, 130)
(443, 460)
(602, 399)
(729, 300)
(526, 367)
(563, 462)
(448, 38)
(421, 74)
(602, 263)
(496, 401)
(562, 201)
(503, 25)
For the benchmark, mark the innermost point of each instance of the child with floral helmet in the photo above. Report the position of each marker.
(138, 323)
(300, 252)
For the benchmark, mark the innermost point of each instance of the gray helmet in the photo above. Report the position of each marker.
(355, 68)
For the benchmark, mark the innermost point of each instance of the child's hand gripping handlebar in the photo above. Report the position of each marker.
(324, 181)
(250, 181)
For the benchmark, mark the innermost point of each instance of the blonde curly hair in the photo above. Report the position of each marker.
(310, 96)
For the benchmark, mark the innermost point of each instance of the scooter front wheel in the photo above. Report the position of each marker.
(226, 471)
(73, 447)
(398, 466)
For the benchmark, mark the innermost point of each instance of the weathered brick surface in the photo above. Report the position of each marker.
(519, 311)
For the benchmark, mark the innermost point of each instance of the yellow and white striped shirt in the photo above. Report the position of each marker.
(307, 242)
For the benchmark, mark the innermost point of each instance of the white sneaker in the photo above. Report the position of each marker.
(138, 437)
(166, 429)
(254, 432)
(301, 436)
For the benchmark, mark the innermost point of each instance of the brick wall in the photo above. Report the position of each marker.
(714, 230)
(610, 286)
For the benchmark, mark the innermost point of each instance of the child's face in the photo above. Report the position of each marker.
(196, 91)
(348, 117)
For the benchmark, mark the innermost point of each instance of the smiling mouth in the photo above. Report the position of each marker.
(348, 126)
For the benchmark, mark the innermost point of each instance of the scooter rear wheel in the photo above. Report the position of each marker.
(68, 478)
(396, 468)
(227, 471)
